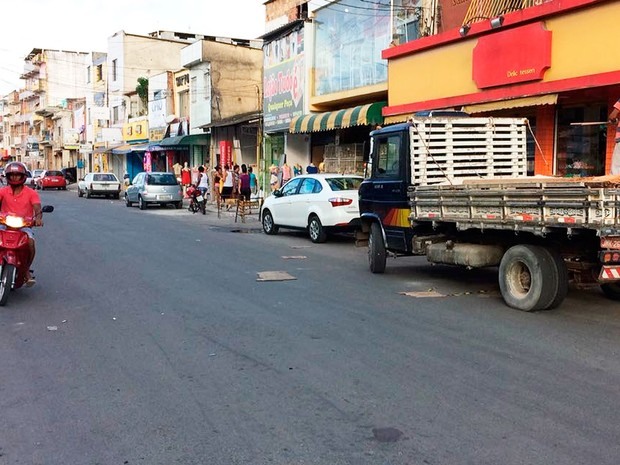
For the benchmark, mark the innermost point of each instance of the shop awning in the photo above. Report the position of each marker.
(369, 114)
(104, 149)
(251, 117)
(549, 99)
(180, 142)
(126, 148)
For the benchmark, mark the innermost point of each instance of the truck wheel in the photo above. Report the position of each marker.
(529, 278)
(376, 249)
(562, 279)
(611, 290)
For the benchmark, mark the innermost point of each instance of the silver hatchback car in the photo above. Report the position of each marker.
(154, 188)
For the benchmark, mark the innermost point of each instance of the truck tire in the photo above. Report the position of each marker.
(562, 279)
(529, 278)
(376, 249)
(611, 290)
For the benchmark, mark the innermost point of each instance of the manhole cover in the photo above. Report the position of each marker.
(387, 434)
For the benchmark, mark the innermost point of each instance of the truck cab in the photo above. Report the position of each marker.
(383, 196)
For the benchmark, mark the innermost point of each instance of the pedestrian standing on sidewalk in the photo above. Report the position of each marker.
(244, 184)
(227, 188)
(203, 182)
(615, 158)
(253, 181)
(236, 184)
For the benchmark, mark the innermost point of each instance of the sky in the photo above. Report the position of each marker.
(85, 25)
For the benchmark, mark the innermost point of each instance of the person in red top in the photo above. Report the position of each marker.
(615, 158)
(21, 200)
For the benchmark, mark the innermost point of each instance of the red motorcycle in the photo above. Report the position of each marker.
(197, 202)
(14, 252)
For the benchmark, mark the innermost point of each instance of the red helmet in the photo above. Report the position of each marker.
(14, 168)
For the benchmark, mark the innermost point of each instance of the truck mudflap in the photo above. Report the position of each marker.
(609, 273)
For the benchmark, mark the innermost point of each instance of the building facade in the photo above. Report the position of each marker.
(522, 60)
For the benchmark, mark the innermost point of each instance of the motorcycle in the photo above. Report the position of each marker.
(14, 252)
(197, 202)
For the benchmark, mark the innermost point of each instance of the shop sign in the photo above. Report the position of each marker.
(135, 131)
(71, 139)
(226, 153)
(156, 134)
(513, 56)
(284, 82)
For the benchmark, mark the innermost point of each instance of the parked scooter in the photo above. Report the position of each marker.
(197, 201)
(14, 253)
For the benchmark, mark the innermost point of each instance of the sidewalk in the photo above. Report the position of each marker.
(225, 219)
(230, 217)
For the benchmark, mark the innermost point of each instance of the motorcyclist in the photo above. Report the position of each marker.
(21, 200)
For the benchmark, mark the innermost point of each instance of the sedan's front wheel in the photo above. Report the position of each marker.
(128, 203)
(268, 225)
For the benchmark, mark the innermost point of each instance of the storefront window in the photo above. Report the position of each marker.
(349, 39)
(581, 146)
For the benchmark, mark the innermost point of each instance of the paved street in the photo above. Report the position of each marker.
(151, 338)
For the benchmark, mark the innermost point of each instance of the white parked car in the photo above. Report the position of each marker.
(318, 203)
(36, 174)
(106, 184)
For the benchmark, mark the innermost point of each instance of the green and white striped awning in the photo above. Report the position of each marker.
(361, 115)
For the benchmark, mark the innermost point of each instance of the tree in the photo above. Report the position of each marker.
(143, 92)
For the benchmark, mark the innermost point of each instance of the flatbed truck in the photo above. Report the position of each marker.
(456, 190)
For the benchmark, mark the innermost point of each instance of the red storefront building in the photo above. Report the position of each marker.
(556, 62)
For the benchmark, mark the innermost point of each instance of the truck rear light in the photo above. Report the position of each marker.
(610, 256)
(340, 201)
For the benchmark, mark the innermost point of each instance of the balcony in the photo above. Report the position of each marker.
(26, 95)
(36, 86)
(46, 138)
(30, 70)
(483, 10)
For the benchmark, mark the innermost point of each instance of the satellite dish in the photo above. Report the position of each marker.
(171, 119)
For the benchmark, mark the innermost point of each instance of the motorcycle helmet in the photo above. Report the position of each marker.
(14, 168)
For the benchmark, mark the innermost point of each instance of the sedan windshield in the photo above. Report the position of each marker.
(53, 173)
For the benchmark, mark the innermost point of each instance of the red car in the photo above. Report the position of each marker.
(51, 179)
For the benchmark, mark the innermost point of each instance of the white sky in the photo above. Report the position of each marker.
(85, 25)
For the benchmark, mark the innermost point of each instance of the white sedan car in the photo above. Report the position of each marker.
(318, 203)
(106, 184)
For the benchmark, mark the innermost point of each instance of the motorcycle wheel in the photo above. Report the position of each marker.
(6, 282)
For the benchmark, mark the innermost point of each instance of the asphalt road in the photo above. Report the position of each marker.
(149, 340)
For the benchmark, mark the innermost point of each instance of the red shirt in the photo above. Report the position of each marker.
(20, 204)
